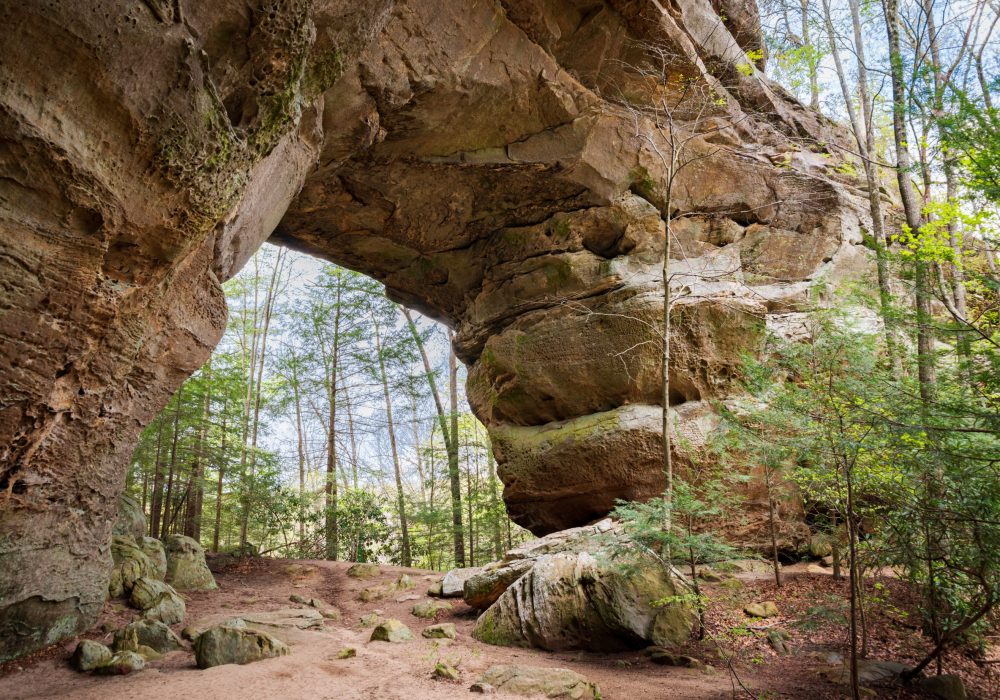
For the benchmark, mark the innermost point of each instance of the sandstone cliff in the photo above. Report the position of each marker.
(491, 162)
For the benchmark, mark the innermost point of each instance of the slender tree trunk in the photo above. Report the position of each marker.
(192, 526)
(272, 288)
(667, 427)
(772, 521)
(852, 538)
(400, 497)
(470, 522)
(864, 137)
(807, 42)
(352, 438)
(165, 529)
(154, 507)
(911, 206)
(450, 436)
(453, 473)
(494, 503)
(330, 487)
(301, 451)
(222, 473)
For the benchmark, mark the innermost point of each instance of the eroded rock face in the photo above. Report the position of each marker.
(464, 154)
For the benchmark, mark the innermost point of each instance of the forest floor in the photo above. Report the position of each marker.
(812, 607)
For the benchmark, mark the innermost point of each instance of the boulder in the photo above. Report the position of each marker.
(186, 567)
(435, 590)
(445, 630)
(347, 653)
(778, 639)
(371, 619)
(446, 671)
(391, 631)
(431, 609)
(130, 520)
(153, 549)
(533, 681)
(158, 601)
(150, 633)
(89, 654)
(226, 644)
(129, 564)
(121, 664)
(766, 608)
(372, 594)
(483, 589)
(365, 570)
(945, 686)
(298, 599)
(574, 600)
(453, 583)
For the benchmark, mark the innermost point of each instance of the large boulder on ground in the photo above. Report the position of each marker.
(429, 610)
(154, 634)
(576, 596)
(226, 644)
(156, 553)
(158, 601)
(130, 519)
(186, 567)
(129, 564)
(574, 600)
(444, 630)
(532, 681)
(89, 654)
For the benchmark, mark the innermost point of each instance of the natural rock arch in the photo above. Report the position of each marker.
(460, 152)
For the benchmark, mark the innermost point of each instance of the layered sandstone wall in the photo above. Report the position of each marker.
(490, 162)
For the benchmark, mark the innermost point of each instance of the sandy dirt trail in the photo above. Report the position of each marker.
(380, 670)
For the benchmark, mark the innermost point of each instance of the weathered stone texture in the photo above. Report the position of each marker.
(465, 154)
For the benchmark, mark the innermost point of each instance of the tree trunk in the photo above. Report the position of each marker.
(222, 472)
(911, 207)
(165, 526)
(154, 506)
(192, 524)
(453, 474)
(300, 447)
(330, 488)
(450, 436)
(400, 498)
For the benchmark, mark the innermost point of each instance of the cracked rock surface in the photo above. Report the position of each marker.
(490, 162)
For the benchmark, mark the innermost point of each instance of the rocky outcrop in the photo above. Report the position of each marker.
(129, 564)
(582, 589)
(130, 520)
(492, 163)
(535, 681)
(227, 644)
(186, 566)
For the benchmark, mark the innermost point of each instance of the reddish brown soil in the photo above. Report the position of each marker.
(811, 607)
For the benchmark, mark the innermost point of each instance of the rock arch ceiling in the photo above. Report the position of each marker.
(489, 161)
